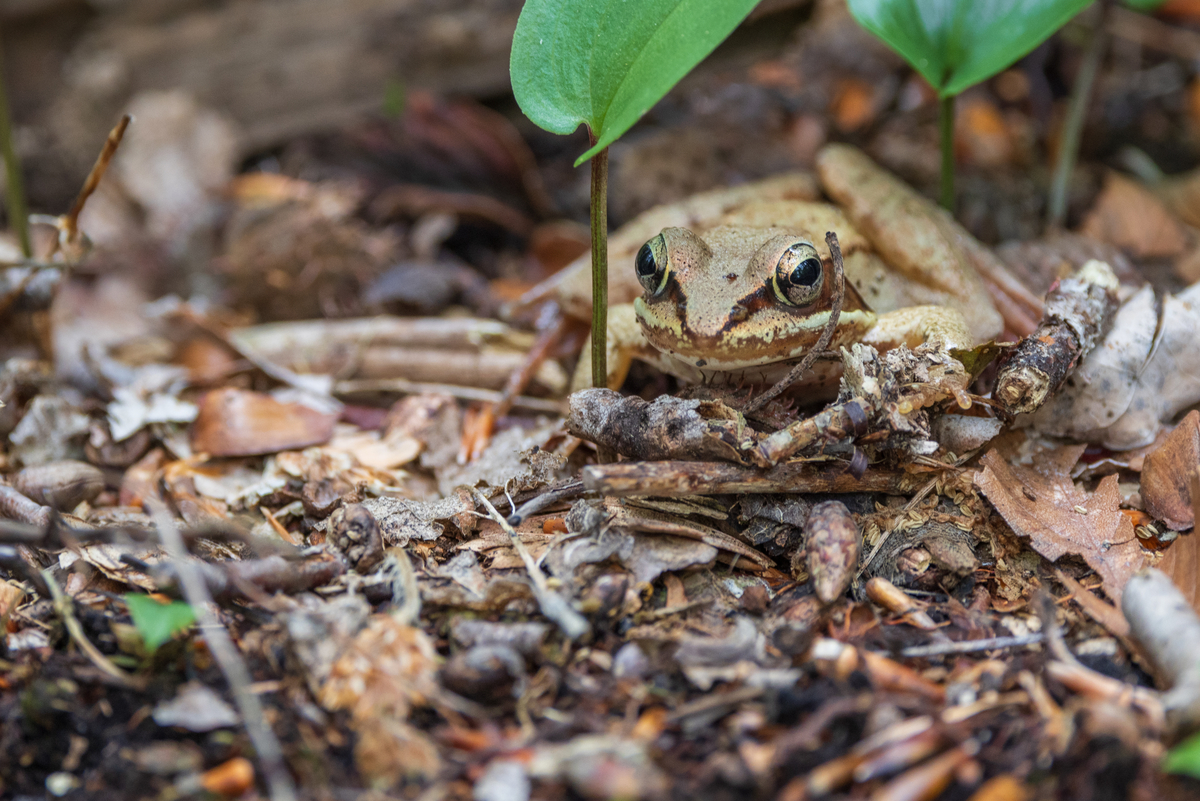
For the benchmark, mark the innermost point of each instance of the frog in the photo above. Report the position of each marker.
(734, 286)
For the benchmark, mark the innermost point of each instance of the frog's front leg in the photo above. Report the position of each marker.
(625, 343)
(939, 326)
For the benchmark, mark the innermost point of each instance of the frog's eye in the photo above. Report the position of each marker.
(798, 275)
(651, 265)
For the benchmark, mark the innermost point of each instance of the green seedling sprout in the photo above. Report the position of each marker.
(955, 44)
(158, 622)
(603, 64)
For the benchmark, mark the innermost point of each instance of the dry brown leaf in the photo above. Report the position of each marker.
(233, 422)
(1182, 563)
(1167, 475)
(1129, 216)
(1043, 504)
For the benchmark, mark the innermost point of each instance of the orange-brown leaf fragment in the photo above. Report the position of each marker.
(234, 422)
(1129, 216)
(1181, 563)
(1167, 474)
(1043, 504)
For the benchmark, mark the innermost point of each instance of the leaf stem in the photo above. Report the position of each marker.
(18, 212)
(1068, 147)
(600, 268)
(946, 125)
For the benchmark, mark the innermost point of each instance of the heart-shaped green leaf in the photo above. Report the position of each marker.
(605, 63)
(955, 44)
(158, 622)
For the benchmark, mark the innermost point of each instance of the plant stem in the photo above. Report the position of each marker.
(18, 213)
(946, 124)
(1068, 147)
(600, 269)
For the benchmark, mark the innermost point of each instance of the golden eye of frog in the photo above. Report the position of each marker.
(743, 304)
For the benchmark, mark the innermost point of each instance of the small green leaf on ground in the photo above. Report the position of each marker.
(156, 621)
(1184, 758)
(605, 63)
(955, 44)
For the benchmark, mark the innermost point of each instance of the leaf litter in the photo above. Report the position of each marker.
(406, 629)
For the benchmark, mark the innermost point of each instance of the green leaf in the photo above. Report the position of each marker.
(605, 63)
(1184, 758)
(955, 44)
(156, 621)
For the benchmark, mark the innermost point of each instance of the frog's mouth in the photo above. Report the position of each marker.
(766, 337)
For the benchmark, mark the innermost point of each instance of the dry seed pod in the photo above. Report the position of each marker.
(833, 545)
(61, 485)
(354, 531)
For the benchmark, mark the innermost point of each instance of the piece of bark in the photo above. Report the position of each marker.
(668, 428)
(1167, 627)
(673, 479)
(1079, 311)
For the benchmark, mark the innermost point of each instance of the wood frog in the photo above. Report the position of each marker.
(734, 286)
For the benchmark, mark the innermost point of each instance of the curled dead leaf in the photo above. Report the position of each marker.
(1169, 474)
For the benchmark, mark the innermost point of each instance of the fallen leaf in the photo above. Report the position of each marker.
(853, 105)
(234, 422)
(1129, 216)
(982, 136)
(1043, 504)
(1167, 475)
(1182, 563)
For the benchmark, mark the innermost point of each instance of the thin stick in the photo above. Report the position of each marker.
(69, 230)
(65, 610)
(839, 295)
(1068, 149)
(553, 606)
(18, 212)
(968, 646)
(539, 502)
(406, 387)
(229, 659)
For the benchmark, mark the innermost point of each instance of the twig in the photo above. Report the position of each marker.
(65, 610)
(1068, 148)
(968, 646)
(553, 606)
(226, 654)
(403, 386)
(534, 505)
(68, 224)
(839, 295)
(673, 479)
